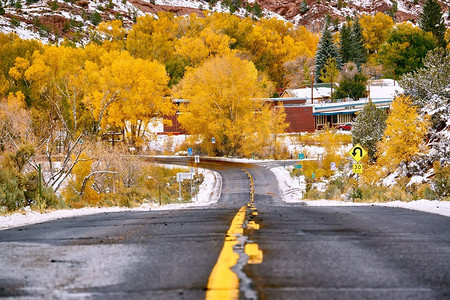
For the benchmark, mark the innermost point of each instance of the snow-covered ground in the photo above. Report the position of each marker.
(209, 193)
(291, 190)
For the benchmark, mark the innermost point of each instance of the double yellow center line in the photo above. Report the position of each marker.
(223, 283)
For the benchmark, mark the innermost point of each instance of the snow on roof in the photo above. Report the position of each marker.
(384, 88)
(381, 88)
(305, 93)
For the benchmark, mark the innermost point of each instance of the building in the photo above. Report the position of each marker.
(308, 114)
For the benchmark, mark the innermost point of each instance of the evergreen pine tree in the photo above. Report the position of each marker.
(345, 43)
(431, 20)
(304, 7)
(326, 49)
(2, 10)
(359, 52)
(369, 128)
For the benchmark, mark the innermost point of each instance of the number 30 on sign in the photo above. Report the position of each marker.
(357, 168)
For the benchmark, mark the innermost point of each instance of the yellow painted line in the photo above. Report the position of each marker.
(223, 283)
(255, 256)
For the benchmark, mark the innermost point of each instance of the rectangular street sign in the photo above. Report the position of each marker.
(183, 176)
(298, 166)
(301, 156)
(357, 168)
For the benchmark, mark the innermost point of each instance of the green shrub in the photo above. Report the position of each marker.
(441, 180)
(313, 194)
(332, 192)
(11, 192)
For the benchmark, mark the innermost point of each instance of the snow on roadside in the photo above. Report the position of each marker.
(291, 192)
(209, 193)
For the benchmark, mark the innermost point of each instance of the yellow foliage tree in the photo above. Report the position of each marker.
(79, 191)
(208, 43)
(112, 34)
(153, 37)
(222, 96)
(20, 66)
(126, 92)
(376, 29)
(404, 136)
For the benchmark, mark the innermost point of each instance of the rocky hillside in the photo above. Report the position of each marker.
(53, 20)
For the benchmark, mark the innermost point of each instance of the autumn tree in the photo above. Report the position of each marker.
(223, 103)
(428, 88)
(405, 48)
(125, 92)
(110, 34)
(375, 30)
(330, 72)
(404, 134)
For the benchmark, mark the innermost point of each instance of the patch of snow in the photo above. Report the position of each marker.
(390, 180)
(291, 190)
(416, 179)
(209, 193)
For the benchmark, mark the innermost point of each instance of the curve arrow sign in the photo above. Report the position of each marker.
(357, 152)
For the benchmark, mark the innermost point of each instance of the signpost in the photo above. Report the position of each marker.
(357, 152)
(357, 168)
(180, 178)
(190, 151)
(333, 166)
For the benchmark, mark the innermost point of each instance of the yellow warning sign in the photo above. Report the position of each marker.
(357, 152)
(357, 168)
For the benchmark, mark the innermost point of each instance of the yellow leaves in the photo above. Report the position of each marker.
(122, 89)
(330, 72)
(404, 134)
(16, 101)
(197, 49)
(4, 85)
(221, 96)
(20, 66)
(376, 29)
(112, 29)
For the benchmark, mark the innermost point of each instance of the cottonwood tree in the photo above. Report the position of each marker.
(429, 89)
(330, 72)
(375, 30)
(404, 136)
(223, 103)
(405, 48)
(126, 92)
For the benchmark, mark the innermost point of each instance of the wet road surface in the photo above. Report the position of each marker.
(279, 251)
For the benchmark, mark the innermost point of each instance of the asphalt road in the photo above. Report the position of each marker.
(284, 251)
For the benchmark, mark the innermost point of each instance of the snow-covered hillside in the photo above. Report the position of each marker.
(55, 20)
